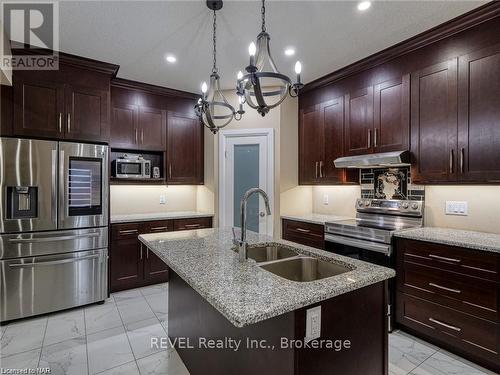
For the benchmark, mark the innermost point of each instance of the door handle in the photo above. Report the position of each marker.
(53, 262)
(262, 214)
(369, 138)
(69, 122)
(60, 122)
(451, 161)
(445, 325)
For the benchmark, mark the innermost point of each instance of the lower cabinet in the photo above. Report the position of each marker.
(132, 265)
(450, 296)
(308, 234)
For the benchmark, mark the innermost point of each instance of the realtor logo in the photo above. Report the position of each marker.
(30, 26)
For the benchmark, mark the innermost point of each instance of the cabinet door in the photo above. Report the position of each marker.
(126, 257)
(155, 269)
(310, 145)
(184, 149)
(332, 118)
(479, 116)
(434, 123)
(359, 122)
(392, 115)
(38, 108)
(86, 114)
(124, 123)
(152, 125)
(193, 223)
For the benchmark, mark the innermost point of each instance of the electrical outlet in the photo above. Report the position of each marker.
(163, 199)
(456, 208)
(313, 323)
(325, 199)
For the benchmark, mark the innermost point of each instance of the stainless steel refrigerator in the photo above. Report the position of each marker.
(53, 226)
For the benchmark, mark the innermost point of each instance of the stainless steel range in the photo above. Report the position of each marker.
(369, 237)
(53, 226)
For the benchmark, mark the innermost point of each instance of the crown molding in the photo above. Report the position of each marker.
(461, 23)
(151, 89)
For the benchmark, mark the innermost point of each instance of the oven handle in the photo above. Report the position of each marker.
(366, 245)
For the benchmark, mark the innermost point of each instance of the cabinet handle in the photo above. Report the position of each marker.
(445, 325)
(142, 135)
(147, 252)
(451, 161)
(129, 231)
(369, 138)
(141, 251)
(444, 258)
(136, 141)
(60, 122)
(69, 122)
(303, 230)
(159, 228)
(321, 169)
(445, 288)
(170, 170)
(316, 169)
(462, 151)
(375, 136)
(192, 225)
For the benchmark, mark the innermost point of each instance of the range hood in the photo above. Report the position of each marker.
(383, 159)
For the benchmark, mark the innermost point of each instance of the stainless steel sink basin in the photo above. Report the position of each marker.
(305, 269)
(269, 253)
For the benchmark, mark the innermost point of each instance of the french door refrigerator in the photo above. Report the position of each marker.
(53, 226)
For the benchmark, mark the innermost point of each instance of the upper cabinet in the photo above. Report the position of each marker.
(479, 116)
(71, 103)
(310, 145)
(434, 123)
(359, 122)
(152, 124)
(184, 149)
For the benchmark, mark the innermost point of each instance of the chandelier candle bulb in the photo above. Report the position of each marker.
(251, 51)
(298, 70)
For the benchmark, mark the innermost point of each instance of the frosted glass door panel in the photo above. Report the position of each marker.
(246, 176)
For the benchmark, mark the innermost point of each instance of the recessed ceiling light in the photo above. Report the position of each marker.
(290, 51)
(364, 5)
(171, 59)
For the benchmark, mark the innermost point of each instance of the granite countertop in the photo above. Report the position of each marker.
(315, 218)
(242, 292)
(454, 237)
(157, 216)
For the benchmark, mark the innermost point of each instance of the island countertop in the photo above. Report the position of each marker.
(243, 292)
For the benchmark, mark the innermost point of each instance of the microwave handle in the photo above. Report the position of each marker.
(366, 245)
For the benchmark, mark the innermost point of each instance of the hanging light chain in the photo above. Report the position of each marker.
(214, 68)
(263, 14)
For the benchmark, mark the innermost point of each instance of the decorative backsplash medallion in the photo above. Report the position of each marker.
(390, 183)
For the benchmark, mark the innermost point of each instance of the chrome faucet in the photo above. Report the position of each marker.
(242, 242)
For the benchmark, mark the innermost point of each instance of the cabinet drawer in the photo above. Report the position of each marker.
(304, 233)
(194, 223)
(464, 293)
(466, 261)
(125, 231)
(158, 226)
(474, 336)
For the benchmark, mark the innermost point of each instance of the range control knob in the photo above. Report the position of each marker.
(414, 206)
(404, 205)
(367, 203)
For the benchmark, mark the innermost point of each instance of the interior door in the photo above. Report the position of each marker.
(28, 185)
(434, 123)
(245, 165)
(479, 116)
(83, 185)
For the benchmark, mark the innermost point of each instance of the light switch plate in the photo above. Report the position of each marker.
(313, 323)
(163, 199)
(457, 208)
(325, 199)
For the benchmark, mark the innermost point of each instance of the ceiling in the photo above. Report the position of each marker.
(327, 35)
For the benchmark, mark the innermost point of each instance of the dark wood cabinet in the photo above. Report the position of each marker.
(310, 145)
(479, 116)
(308, 234)
(124, 125)
(434, 123)
(450, 296)
(39, 108)
(184, 149)
(359, 122)
(391, 125)
(132, 264)
(152, 124)
(87, 117)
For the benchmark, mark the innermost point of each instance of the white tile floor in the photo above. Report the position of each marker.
(114, 338)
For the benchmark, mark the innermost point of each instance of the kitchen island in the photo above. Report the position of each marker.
(228, 317)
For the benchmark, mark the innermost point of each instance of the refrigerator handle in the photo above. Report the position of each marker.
(54, 187)
(62, 202)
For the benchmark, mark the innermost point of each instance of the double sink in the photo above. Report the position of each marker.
(286, 263)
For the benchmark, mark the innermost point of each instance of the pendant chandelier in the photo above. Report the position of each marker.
(265, 89)
(212, 108)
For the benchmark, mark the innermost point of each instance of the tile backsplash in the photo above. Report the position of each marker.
(389, 183)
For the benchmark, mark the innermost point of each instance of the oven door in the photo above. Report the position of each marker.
(83, 185)
(368, 251)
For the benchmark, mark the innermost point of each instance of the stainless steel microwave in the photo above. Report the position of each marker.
(131, 168)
